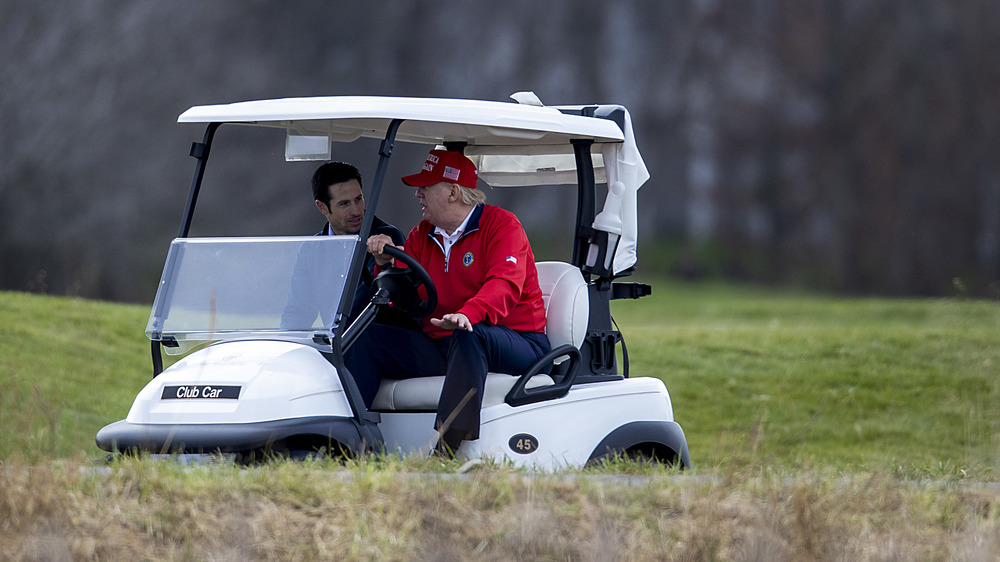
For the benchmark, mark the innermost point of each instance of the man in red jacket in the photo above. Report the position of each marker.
(490, 316)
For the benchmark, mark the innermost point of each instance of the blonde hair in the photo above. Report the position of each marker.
(472, 196)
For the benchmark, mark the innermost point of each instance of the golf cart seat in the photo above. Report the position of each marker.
(567, 313)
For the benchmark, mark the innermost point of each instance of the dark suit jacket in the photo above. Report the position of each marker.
(363, 293)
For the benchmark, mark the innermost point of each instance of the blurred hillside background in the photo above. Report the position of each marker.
(850, 146)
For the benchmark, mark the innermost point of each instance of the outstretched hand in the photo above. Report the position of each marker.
(455, 321)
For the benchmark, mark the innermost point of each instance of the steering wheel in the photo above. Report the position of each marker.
(402, 284)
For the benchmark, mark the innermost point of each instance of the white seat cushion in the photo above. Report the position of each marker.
(567, 312)
(422, 393)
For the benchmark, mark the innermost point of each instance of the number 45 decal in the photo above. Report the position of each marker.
(523, 444)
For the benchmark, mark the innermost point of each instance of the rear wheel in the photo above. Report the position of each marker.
(652, 453)
(661, 442)
(655, 454)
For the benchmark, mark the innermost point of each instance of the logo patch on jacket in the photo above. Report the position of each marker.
(467, 259)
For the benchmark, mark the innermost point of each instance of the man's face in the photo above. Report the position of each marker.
(346, 209)
(433, 201)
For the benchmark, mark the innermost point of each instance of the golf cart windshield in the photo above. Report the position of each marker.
(235, 288)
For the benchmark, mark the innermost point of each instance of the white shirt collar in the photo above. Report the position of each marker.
(448, 240)
(454, 236)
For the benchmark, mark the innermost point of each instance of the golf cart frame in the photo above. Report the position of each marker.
(504, 140)
(598, 351)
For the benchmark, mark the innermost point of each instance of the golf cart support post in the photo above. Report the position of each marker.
(598, 350)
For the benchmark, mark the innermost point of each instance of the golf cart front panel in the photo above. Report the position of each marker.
(243, 382)
(264, 307)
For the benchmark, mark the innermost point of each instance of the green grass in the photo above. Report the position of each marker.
(758, 377)
(139, 510)
(67, 368)
(820, 428)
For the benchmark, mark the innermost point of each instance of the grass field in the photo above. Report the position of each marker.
(820, 429)
(760, 377)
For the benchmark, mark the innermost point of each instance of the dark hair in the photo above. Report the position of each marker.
(329, 174)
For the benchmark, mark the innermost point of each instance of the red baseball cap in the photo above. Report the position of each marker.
(445, 166)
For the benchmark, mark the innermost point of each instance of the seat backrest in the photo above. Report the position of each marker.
(567, 305)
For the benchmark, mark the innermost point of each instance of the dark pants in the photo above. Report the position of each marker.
(463, 357)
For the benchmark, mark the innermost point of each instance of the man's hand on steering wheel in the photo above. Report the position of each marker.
(376, 244)
(377, 247)
(402, 283)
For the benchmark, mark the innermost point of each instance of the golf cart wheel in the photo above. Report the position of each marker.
(295, 448)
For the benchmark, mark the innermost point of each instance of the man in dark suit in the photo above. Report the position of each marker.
(336, 187)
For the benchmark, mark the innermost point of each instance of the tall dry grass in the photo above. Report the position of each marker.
(148, 511)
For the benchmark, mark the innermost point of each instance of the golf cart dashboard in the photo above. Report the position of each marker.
(285, 288)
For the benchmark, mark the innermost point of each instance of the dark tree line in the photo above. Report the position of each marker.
(850, 145)
(846, 145)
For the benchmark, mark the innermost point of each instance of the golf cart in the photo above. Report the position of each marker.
(263, 320)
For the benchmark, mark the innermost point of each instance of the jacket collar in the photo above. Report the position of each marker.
(473, 224)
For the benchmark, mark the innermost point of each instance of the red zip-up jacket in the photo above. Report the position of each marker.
(490, 275)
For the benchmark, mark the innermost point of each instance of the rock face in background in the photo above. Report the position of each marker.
(848, 145)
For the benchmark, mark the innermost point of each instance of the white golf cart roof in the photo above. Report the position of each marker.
(512, 144)
(427, 120)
